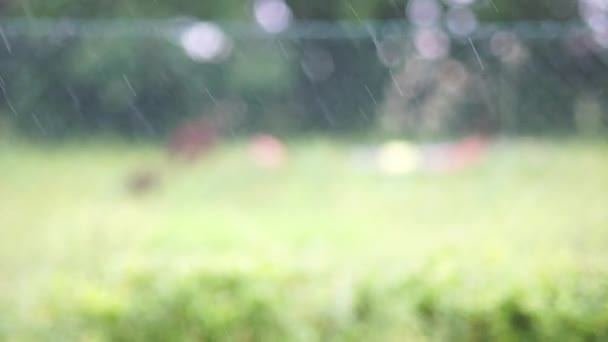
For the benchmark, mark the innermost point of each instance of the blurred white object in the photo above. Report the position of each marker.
(461, 21)
(601, 39)
(397, 157)
(432, 43)
(205, 42)
(459, 2)
(273, 16)
(423, 13)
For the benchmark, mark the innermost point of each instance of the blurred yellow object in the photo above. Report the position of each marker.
(398, 157)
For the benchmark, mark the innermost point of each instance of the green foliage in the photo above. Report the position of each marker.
(262, 304)
(511, 10)
(60, 84)
(196, 306)
(309, 9)
(261, 71)
(225, 251)
(231, 9)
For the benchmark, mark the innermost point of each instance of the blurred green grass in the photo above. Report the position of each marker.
(531, 212)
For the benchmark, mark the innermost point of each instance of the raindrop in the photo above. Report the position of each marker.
(423, 13)
(396, 83)
(432, 43)
(283, 50)
(39, 124)
(9, 103)
(273, 16)
(371, 95)
(391, 50)
(205, 42)
(210, 96)
(5, 40)
(317, 63)
(363, 114)
(461, 21)
(142, 118)
(129, 85)
(494, 6)
(75, 101)
(476, 54)
(353, 11)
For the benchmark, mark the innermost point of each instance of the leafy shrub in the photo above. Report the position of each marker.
(272, 304)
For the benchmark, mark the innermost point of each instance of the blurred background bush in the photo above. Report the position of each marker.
(423, 67)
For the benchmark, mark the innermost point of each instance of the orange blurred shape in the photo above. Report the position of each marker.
(267, 151)
(192, 139)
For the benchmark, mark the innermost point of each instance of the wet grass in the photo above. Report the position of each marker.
(530, 210)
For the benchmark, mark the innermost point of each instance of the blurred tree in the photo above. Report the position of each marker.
(145, 85)
(228, 9)
(303, 9)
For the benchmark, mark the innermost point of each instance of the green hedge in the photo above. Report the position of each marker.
(268, 303)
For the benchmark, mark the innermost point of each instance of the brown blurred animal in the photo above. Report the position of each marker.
(192, 139)
(143, 181)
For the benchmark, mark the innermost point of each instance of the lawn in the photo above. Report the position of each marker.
(513, 247)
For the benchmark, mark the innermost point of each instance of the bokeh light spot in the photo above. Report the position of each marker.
(273, 16)
(432, 43)
(205, 42)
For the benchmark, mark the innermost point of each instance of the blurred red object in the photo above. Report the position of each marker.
(267, 151)
(192, 139)
(454, 156)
